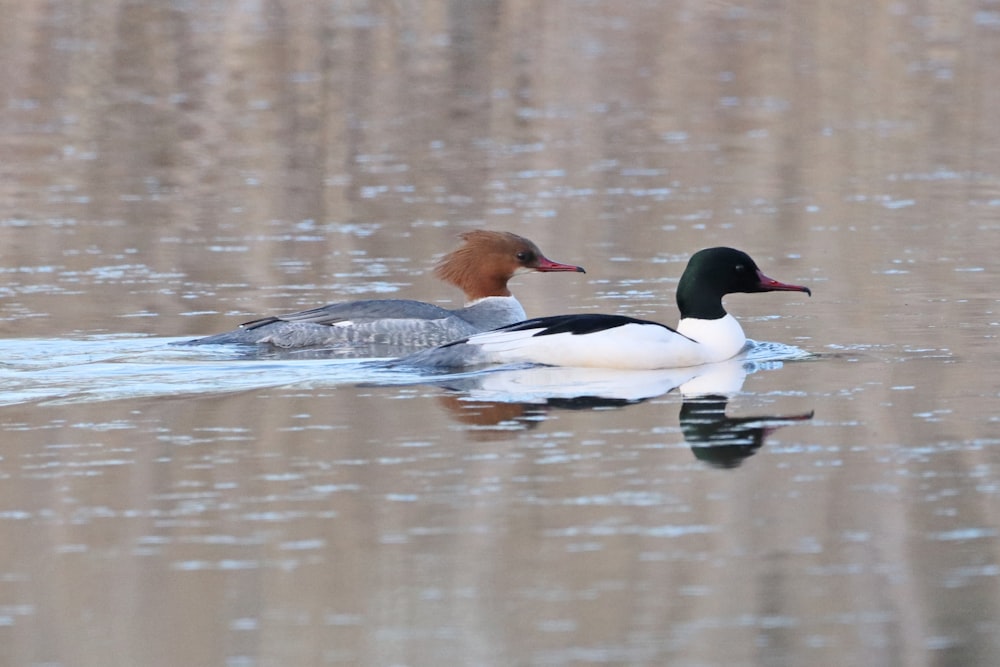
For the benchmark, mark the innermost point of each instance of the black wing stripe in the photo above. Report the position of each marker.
(577, 325)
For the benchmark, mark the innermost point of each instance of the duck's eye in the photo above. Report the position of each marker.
(523, 256)
(740, 268)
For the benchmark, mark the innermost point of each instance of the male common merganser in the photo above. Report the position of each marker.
(480, 267)
(705, 334)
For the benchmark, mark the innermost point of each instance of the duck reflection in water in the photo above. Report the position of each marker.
(724, 442)
(497, 402)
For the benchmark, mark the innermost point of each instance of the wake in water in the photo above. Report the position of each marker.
(761, 352)
(109, 368)
(100, 368)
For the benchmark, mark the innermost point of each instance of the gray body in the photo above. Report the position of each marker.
(398, 323)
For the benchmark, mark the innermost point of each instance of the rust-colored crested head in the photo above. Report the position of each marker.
(486, 260)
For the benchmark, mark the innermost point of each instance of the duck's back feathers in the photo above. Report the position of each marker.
(355, 311)
(577, 325)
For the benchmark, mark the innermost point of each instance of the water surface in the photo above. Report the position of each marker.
(174, 169)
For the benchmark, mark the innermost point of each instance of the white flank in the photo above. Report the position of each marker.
(629, 346)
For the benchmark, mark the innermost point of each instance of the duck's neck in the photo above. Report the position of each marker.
(699, 291)
(696, 303)
(474, 275)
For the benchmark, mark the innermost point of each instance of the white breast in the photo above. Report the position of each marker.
(719, 339)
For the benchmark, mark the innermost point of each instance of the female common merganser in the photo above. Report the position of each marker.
(480, 267)
(705, 334)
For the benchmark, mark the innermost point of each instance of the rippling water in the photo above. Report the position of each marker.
(173, 169)
(101, 368)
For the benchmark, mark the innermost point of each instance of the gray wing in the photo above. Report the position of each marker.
(358, 311)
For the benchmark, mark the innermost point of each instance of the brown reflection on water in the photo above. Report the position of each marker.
(290, 524)
(173, 168)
